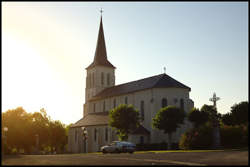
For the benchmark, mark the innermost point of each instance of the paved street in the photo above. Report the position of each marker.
(167, 158)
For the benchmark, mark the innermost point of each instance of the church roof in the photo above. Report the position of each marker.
(141, 131)
(158, 81)
(100, 52)
(91, 119)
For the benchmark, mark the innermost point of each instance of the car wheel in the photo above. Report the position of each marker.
(104, 151)
(117, 151)
(131, 152)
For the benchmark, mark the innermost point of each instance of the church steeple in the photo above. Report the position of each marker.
(100, 52)
(100, 73)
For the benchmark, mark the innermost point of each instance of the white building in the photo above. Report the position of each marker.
(147, 95)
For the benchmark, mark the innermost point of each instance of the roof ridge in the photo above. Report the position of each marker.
(135, 81)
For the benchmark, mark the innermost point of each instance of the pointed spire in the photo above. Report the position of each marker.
(100, 52)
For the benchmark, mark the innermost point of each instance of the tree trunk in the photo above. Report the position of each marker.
(169, 141)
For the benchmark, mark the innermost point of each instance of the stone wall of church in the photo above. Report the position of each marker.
(75, 140)
(152, 103)
(173, 96)
(97, 79)
(97, 137)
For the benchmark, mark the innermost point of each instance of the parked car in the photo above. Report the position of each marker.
(119, 147)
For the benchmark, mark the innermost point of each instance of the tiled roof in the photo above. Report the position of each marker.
(102, 118)
(141, 131)
(158, 81)
(100, 52)
(99, 118)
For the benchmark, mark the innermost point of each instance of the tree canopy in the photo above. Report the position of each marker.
(168, 119)
(197, 117)
(23, 128)
(238, 114)
(125, 119)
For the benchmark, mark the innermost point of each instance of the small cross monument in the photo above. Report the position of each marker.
(214, 99)
(216, 128)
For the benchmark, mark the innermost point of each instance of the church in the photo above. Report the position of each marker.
(147, 95)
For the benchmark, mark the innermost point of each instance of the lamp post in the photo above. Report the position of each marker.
(84, 138)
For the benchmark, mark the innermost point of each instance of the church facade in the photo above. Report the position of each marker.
(147, 95)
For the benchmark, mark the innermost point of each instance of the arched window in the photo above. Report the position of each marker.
(126, 100)
(106, 134)
(104, 106)
(114, 103)
(164, 103)
(93, 79)
(102, 78)
(142, 110)
(95, 133)
(108, 79)
(182, 104)
(94, 107)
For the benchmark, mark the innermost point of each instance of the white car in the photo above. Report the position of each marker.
(118, 147)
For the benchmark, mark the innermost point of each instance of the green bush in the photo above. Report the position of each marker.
(197, 138)
(234, 136)
(202, 138)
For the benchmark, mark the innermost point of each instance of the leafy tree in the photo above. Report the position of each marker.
(18, 123)
(23, 128)
(57, 134)
(211, 111)
(197, 117)
(125, 119)
(168, 119)
(40, 123)
(238, 114)
(228, 119)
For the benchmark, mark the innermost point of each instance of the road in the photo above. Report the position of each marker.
(166, 158)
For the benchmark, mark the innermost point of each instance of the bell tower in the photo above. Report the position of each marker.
(100, 73)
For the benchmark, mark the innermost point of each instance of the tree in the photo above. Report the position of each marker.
(23, 128)
(211, 111)
(40, 127)
(125, 119)
(197, 117)
(18, 122)
(168, 119)
(228, 119)
(214, 121)
(238, 114)
(57, 135)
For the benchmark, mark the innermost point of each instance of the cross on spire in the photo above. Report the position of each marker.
(214, 99)
(101, 11)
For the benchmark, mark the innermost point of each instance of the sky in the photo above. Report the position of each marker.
(46, 47)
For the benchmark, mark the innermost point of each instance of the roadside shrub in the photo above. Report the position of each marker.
(234, 136)
(197, 138)
(202, 138)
